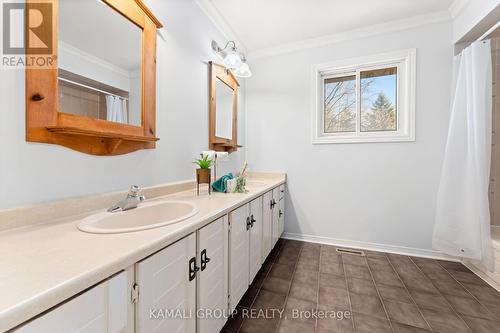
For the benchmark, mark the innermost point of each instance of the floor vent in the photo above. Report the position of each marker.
(351, 251)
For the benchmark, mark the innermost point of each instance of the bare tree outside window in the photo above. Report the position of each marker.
(340, 104)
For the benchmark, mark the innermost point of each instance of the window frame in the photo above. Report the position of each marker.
(404, 61)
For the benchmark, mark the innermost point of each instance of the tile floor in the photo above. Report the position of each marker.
(378, 292)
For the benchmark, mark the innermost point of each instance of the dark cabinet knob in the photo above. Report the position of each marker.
(204, 259)
(273, 203)
(37, 97)
(193, 269)
(248, 223)
(281, 213)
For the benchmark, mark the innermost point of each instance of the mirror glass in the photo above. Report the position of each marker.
(100, 62)
(223, 110)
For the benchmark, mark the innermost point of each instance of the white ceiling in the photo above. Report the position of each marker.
(261, 24)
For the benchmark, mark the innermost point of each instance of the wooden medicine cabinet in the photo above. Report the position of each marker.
(98, 97)
(223, 118)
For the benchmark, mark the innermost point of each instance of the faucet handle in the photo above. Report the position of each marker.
(134, 190)
(142, 198)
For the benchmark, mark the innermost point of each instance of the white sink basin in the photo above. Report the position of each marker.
(147, 216)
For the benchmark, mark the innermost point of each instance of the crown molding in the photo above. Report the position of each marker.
(456, 7)
(220, 23)
(93, 59)
(369, 31)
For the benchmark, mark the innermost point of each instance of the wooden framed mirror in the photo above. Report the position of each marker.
(99, 95)
(223, 122)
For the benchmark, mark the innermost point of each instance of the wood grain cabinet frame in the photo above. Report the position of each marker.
(214, 142)
(44, 122)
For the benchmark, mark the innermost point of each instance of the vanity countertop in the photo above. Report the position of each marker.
(45, 264)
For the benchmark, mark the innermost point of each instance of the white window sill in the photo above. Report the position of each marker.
(332, 139)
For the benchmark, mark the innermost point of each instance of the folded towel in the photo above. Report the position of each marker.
(220, 185)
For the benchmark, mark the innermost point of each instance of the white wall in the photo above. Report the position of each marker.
(379, 193)
(135, 98)
(31, 172)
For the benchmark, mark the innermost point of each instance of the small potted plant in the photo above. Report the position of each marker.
(203, 173)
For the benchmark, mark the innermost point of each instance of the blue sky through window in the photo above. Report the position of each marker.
(383, 82)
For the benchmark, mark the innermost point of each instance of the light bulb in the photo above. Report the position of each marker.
(243, 71)
(232, 60)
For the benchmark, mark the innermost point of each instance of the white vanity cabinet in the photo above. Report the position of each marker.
(187, 287)
(267, 224)
(102, 309)
(189, 277)
(272, 219)
(239, 254)
(245, 248)
(275, 216)
(281, 210)
(255, 252)
(167, 289)
(212, 279)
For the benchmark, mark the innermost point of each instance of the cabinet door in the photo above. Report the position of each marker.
(102, 309)
(267, 224)
(238, 254)
(255, 237)
(282, 191)
(213, 277)
(275, 216)
(281, 214)
(164, 284)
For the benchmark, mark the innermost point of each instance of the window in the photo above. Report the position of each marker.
(369, 99)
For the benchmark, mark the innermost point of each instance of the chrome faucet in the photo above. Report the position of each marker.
(130, 202)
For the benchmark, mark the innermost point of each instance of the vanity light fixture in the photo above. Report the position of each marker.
(232, 58)
(243, 71)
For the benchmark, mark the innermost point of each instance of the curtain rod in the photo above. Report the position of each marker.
(92, 88)
(489, 32)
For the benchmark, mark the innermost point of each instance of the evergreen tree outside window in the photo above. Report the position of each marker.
(378, 98)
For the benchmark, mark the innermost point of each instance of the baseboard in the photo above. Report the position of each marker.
(371, 246)
(482, 274)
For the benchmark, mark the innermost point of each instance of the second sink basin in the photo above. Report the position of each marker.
(147, 216)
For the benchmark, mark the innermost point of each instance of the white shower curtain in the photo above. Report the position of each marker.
(116, 109)
(462, 215)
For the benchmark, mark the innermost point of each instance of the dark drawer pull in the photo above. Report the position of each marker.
(273, 203)
(193, 269)
(204, 259)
